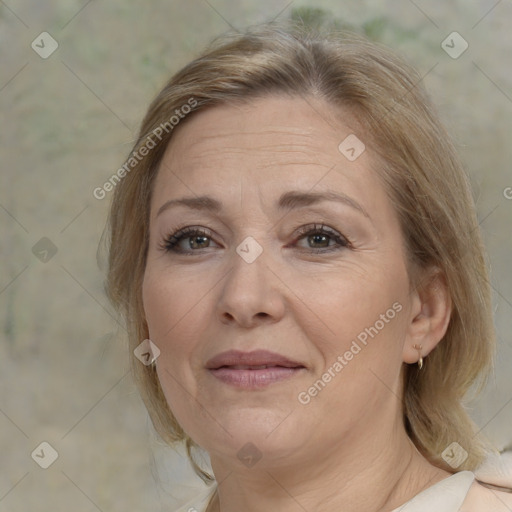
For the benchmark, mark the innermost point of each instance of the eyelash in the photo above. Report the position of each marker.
(170, 243)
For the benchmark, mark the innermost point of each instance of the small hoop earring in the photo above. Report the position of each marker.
(420, 360)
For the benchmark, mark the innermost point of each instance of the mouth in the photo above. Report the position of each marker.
(253, 367)
(252, 370)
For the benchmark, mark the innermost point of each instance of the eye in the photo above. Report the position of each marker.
(192, 239)
(195, 237)
(320, 236)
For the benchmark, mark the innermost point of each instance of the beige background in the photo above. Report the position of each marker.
(69, 120)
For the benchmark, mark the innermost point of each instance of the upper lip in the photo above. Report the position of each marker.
(254, 358)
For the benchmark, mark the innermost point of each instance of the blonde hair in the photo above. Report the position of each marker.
(418, 165)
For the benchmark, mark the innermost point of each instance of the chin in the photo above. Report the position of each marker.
(270, 432)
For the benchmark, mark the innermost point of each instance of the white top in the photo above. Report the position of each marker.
(447, 495)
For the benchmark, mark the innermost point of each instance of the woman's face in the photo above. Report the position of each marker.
(295, 249)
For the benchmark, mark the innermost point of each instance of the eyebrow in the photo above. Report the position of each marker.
(288, 201)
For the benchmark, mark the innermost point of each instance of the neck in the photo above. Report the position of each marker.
(358, 475)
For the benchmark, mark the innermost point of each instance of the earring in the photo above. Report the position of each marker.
(420, 360)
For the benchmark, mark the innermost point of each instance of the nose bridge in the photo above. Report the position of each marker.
(250, 288)
(248, 264)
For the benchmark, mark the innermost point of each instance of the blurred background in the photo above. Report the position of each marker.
(71, 101)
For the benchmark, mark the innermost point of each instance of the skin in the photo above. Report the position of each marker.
(347, 448)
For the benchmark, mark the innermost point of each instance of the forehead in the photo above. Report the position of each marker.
(279, 123)
(269, 144)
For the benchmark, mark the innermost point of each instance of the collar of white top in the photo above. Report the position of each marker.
(446, 495)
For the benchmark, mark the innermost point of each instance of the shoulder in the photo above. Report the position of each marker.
(492, 488)
(484, 498)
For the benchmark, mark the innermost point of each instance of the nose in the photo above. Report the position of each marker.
(252, 292)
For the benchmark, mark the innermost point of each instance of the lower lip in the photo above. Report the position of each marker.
(254, 379)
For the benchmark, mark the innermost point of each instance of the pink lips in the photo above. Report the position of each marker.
(252, 370)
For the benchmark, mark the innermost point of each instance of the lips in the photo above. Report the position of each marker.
(252, 370)
(256, 360)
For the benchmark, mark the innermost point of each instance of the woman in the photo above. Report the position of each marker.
(294, 233)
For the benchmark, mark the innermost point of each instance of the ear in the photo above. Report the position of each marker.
(431, 308)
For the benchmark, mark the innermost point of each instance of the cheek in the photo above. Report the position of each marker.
(169, 304)
(173, 327)
(361, 349)
(171, 315)
(365, 318)
(352, 305)
(158, 306)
